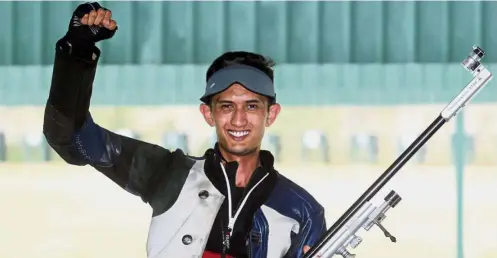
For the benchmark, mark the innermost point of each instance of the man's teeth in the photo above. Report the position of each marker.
(238, 133)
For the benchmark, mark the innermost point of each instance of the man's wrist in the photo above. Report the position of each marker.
(78, 48)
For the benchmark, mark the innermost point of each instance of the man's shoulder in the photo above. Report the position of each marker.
(195, 158)
(292, 200)
(164, 158)
(185, 162)
(169, 180)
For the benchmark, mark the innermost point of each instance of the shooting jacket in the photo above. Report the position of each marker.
(186, 193)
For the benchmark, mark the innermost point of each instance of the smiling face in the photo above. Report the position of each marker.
(240, 117)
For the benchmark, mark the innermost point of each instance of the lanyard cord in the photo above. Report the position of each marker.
(232, 219)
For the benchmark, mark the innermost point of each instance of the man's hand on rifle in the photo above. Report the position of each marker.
(91, 22)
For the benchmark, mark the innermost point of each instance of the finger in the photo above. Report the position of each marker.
(100, 17)
(306, 248)
(111, 25)
(91, 17)
(84, 19)
(107, 16)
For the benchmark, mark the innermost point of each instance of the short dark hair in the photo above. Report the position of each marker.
(258, 61)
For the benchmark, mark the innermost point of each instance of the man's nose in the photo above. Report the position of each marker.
(239, 118)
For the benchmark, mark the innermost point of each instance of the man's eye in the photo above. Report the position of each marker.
(252, 106)
(226, 106)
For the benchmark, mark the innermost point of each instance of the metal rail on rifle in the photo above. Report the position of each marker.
(362, 214)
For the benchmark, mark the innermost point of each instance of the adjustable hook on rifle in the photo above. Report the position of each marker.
(391, 200)
(385, 231)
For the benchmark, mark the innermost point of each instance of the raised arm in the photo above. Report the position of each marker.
(68, 126)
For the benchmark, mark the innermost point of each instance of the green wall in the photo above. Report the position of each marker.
(291, 32)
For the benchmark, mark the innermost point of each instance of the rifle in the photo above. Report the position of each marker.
(362, 213)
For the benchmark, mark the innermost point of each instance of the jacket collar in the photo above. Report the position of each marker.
(213, 171)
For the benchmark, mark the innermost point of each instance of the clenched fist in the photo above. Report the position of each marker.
(91, 22)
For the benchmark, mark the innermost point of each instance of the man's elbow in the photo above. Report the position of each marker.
(58, 132)
(64, 149)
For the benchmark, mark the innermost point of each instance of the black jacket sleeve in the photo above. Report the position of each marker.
(134, 165)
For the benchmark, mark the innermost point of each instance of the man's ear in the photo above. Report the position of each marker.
(274, 110)
(207, 113)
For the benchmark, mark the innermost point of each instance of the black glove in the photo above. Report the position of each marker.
(90, 34)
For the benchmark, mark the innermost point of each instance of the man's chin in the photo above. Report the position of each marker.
(244, 152)
(240, 150)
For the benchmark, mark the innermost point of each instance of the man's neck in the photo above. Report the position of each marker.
(246, 166)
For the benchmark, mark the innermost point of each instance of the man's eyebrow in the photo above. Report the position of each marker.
(254, 101)
(224, 101)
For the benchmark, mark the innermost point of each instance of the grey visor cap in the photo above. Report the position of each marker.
(251, 78)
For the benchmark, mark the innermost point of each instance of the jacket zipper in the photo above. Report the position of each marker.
(249, 246)
(225, 244)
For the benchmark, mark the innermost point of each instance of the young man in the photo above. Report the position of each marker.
(231, 202)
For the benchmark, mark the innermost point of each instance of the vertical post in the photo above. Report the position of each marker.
(3, 147)
(459, 150)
